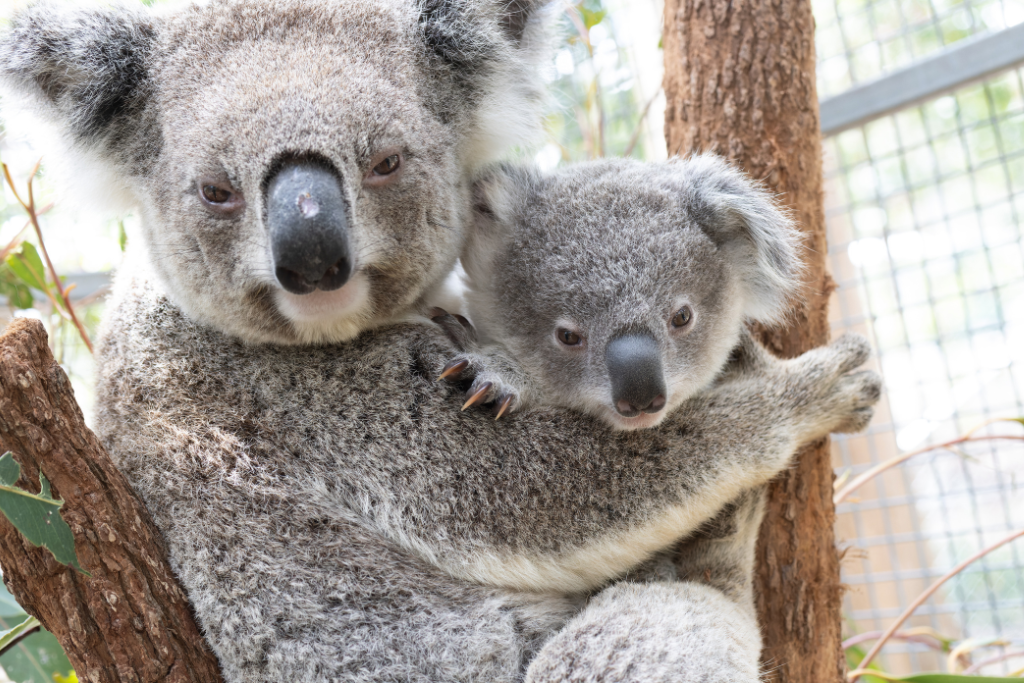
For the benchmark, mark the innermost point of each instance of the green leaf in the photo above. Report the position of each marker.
(36, 659)
(37, 517)
(592, 18)
(26, 264)
(10, 635)
(9, 607)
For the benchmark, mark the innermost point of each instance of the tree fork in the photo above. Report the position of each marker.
(131, 621)
(739, 81)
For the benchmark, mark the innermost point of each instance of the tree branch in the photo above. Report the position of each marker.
(129, 621)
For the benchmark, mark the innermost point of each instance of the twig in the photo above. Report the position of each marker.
(635, 137)
(924, 636)
(992, 660)
(873, 652)
(21, 637)
(903, 457)
(30, 208)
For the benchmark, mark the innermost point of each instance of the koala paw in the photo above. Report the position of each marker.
(497, 381)
(491, 386)
(839, 397)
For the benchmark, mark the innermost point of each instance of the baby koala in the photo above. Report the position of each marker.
(617, 288)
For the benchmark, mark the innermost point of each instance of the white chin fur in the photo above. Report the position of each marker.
(641, 421)
(323, 317)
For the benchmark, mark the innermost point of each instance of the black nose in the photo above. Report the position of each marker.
(634, 365)
(308, 220)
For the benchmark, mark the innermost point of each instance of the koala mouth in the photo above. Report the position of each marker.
(641, 421)
(322, 306)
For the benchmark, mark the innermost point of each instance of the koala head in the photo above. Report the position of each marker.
(622, 287)
(300, 166)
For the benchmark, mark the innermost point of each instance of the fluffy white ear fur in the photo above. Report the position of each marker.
(510, 113)
(760, 235)
(81, 177)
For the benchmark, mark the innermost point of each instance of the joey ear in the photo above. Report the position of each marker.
(500, 196)
(744, 220)
(87, 68)
(466, 33)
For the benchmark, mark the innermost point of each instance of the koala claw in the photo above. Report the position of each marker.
(503, 406)
(480, 393)
(453, 369)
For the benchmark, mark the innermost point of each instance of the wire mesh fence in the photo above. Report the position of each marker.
(924, 213)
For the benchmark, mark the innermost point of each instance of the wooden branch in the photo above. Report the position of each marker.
(739, 80)
(131, 620)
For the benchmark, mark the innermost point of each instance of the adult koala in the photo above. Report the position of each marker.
(301, 169)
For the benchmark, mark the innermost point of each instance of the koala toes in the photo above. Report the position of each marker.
(851, 351)
(862, 390)
(459, 330)
(488, 388)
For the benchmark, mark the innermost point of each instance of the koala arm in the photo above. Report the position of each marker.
(556, 501)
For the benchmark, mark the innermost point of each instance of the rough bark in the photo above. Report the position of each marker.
(131, 621)
(739, 80)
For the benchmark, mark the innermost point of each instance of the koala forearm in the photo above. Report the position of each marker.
(547, 500)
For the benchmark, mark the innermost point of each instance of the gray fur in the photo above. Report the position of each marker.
(613, 247)
(329, 511)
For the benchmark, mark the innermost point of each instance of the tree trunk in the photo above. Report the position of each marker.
(131, 620)
(739, 81)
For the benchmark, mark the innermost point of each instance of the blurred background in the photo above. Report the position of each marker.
(925, 207)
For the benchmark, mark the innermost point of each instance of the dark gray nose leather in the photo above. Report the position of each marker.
(634, 365)
(308, 220)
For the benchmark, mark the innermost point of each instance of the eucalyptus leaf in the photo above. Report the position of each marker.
(38, 658)
(37, 517)
(9, 607)
(28, 266)
(10, 635)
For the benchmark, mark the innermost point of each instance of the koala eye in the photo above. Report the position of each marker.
(219, 198)
(388, 166)
(568, 337)
(215, 195)
(682, 317)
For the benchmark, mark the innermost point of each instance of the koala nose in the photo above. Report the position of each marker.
(634, 365)
(308, 221)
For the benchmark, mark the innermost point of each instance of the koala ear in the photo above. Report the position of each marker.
(463, 32)
(744, 221)
(500, 196)
(87, 68)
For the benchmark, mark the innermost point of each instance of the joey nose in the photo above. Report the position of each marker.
(634, 366)
(307, 216)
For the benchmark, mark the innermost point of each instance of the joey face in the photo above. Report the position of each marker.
(624, 338)
(619, 287)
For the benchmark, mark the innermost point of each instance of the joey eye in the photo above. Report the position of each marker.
(682, 317)
(568, 337)
(215, 194)
(388, 166)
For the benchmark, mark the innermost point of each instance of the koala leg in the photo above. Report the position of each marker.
(702, 628)
(660, 632)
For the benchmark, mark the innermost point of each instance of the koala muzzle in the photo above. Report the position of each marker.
(634, 366)
(308, 219)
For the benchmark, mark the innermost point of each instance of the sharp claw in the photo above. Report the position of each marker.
(437, 312)
(505, 403)
(478, 395)
(455, 367)
(462, 320)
